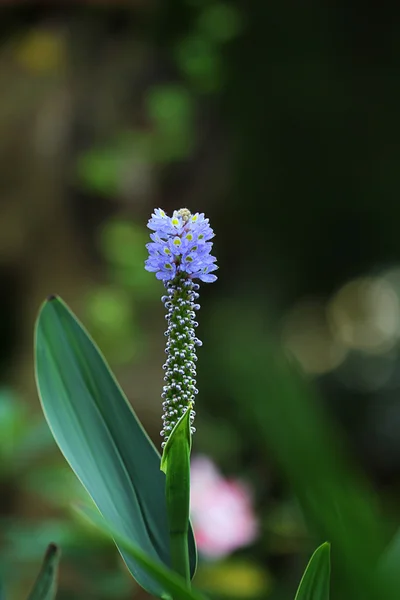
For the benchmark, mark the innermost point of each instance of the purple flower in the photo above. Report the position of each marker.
(179, 252)
(180, 246)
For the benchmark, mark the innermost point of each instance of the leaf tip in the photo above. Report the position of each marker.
(326, 546)
(52, 550)
(51, 297)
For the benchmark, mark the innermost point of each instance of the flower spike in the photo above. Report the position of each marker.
(179, 253)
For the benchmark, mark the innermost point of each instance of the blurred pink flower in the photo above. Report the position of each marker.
(221, 510)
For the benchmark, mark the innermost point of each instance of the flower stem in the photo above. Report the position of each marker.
(176, 466)
(180, 555)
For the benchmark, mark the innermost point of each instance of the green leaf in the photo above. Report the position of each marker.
(45, 587)
(314, 584)
(102, 439)
(175, 463)
(173, 584)
(177, 449)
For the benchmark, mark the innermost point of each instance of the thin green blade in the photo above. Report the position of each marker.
(45, 587)
(173, 584)
(175, 463)
(315, 582)
(101, 438)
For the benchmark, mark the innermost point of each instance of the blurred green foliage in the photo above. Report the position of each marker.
(96, 108)
(102, 169)
(113, 309)
(287, 416)
(170, 109)
(220, 22)
(22, 440)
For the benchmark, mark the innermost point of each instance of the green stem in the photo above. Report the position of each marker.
(180, 555)
(178, 499)
(175, 463)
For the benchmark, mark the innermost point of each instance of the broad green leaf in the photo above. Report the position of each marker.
(175, 463)
(45, 587)
(315, 583)
(174, 585)
(102, 439)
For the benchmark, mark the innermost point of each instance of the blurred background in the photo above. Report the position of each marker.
(280, 121)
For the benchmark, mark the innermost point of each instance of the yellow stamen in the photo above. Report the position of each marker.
(185, 214)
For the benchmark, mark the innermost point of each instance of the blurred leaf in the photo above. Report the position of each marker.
(172, 583)
(25, 539)
(13, 425)
(170, 107)
(201, 63)
(45, 587)
(389, 564)
(315, 582)
(101, 437)
(220, 22)
(279, 407)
